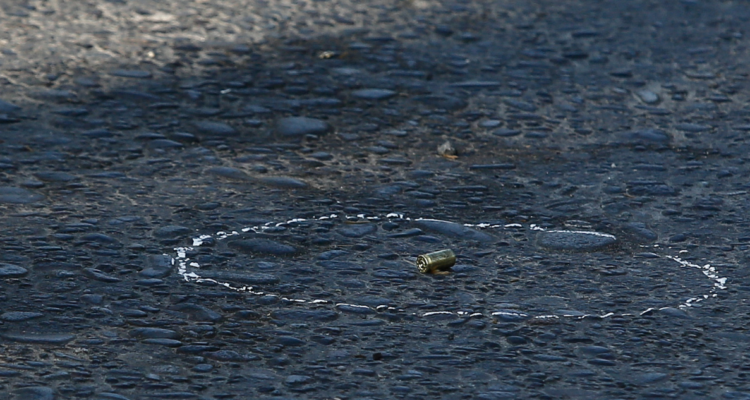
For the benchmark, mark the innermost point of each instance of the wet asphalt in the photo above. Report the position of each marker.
(226, 199)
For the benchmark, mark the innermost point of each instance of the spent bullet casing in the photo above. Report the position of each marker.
(436, 261)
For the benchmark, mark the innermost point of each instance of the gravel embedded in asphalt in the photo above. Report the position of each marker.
(216, 200)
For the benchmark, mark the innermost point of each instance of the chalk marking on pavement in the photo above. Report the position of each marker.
(183, 262)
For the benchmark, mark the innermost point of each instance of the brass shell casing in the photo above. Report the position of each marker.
(436, 261)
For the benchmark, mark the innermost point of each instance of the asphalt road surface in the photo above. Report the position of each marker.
(225, 199)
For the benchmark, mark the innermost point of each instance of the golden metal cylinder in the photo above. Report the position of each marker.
(436, 261)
